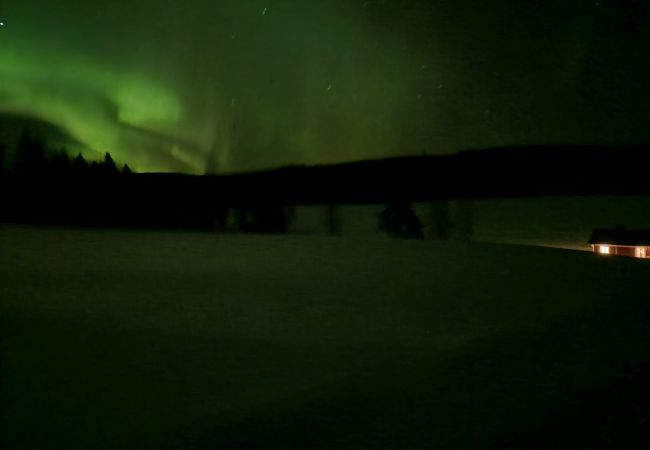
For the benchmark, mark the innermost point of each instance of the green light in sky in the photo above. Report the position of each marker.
(107, 109)
(323, 81)
(143, 103)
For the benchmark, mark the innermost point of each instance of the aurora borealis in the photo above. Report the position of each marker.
(216, 86)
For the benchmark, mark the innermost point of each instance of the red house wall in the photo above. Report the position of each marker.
(621, 250)
(625, 251)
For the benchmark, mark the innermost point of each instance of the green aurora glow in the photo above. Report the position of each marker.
(202, 85)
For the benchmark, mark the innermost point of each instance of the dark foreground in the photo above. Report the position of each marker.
(164, 341)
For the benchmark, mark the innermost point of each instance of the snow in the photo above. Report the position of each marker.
(114, 339)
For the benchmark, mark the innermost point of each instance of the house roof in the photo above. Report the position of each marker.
(620, 236)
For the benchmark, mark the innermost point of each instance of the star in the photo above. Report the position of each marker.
(2, 24)
(264, 11)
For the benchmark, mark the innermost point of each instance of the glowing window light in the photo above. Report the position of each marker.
(640, 252)
(604, 249)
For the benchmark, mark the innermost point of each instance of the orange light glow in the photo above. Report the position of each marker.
(604, 249)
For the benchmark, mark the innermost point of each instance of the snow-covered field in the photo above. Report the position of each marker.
(138, 340)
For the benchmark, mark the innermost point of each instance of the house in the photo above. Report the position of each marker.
(622, 242)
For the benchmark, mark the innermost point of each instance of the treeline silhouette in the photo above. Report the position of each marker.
(33, 159)
(398, 219)
(43, 186)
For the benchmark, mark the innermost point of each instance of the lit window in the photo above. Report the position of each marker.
(640, 252)
(604, 249)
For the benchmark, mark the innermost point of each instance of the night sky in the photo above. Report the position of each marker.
(227, 85)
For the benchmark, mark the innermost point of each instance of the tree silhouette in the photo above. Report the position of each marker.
(126, 170)
(108, 165)
(60, 163)
(465, 220)
(79, 165)
(30, 155)
(399, 220)
(95, 168)
(333, 220)
(442, 223)
(267, 218)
